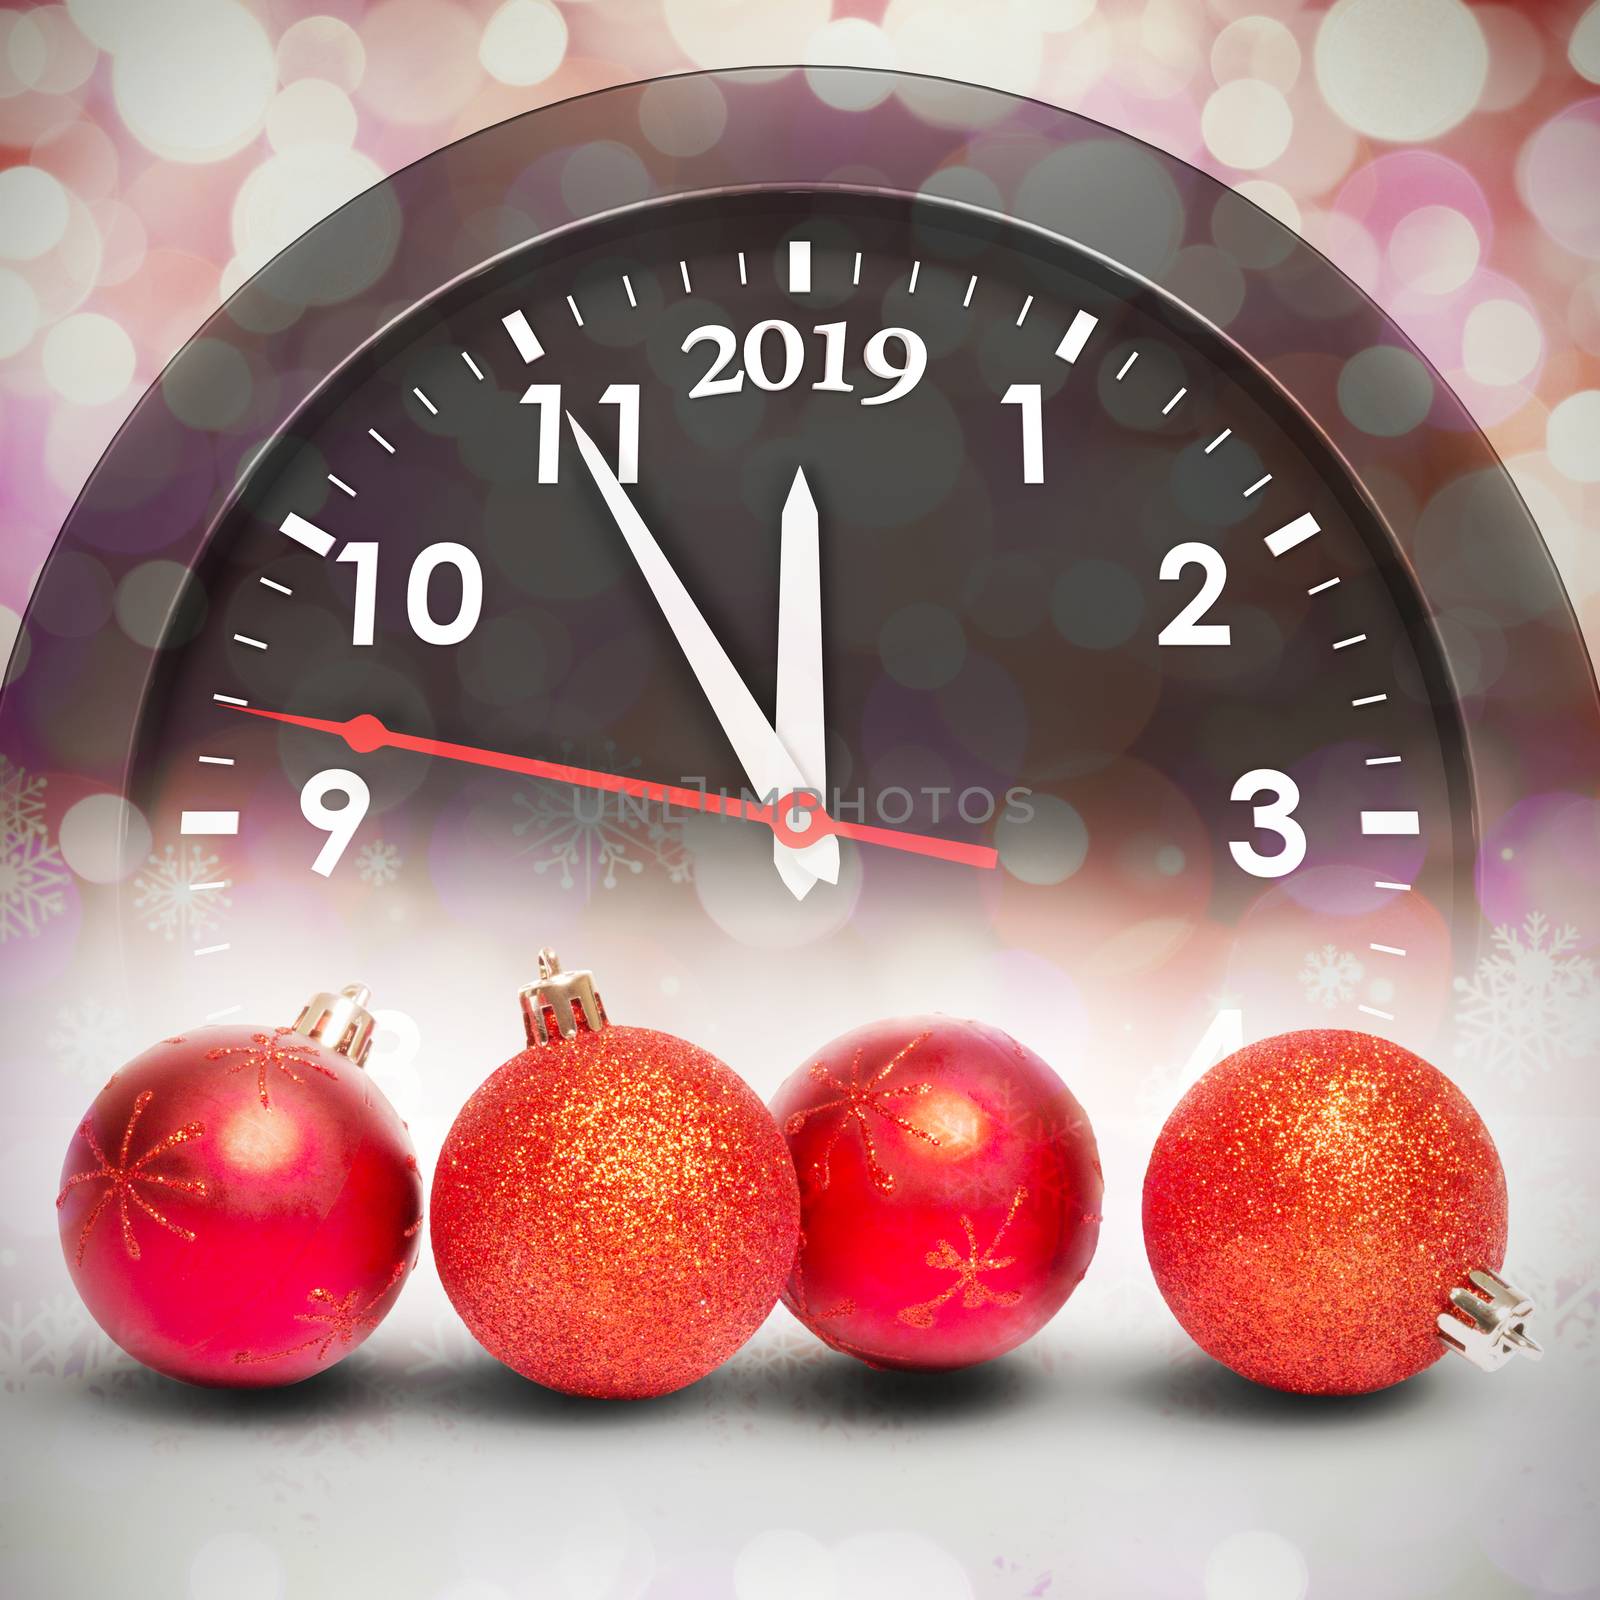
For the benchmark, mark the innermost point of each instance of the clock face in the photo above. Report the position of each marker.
(1079, 640)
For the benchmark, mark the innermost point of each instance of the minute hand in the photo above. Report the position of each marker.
(768, 766)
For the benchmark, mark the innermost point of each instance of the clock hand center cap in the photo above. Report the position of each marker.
(798, 819)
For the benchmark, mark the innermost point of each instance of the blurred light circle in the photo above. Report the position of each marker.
(150, 595)
(783, 1564)
(236, 1566)
(210, 388)
(1556, 178)
(1502, 343)
(82, 156)
(683, 116)
(122, 241)
(1516, 56)
(1385, 390)
(1323, 149)
(1000, 46)
(1583, 314)
(1572, 436)
(1122, 201)
(733, 33)
(34, 208)
(48, 53)
(311, 111)
(965, 185)
(322, 47)
(1209, 281)
(1256, 47)
(1385, 191)
(1264, 247)
(1401, 72)
(194, 82)
(1080, 67)
(1434, 249)
(88, 358)
(393, 1064)
(1256, 1565)
(739, 891)
(290, 192)
(524, 42)
(601, 175)
(75, 439)
(1246, 123)
(1058, 16)
(850, 42)
(104, 838)
(1047, 848)
(408, 83)
(1583, 48)
(1556, 505)
(110, 24)
(23, 54)
(10, 631)
(898, 1566)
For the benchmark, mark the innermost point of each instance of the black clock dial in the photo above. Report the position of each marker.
(1092, 596)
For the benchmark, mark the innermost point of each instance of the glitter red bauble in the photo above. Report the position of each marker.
(1311, 1203)
(240, 1207)
(949, 1190)
(614, 1213)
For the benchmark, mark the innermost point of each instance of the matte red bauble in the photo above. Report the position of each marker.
(950, 1192)
(1326, 1213)
(241, 1206)
(614, 1211)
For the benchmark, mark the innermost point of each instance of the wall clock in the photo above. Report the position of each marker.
(943, 553)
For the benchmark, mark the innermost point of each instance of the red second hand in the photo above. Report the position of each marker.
(366, 733)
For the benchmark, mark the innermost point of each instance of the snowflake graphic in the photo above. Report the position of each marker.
(589, 838)
(269, 1050)
(180, 893)
(967, 1185)
(783, 1355)
(333, 1319)
(378, 863)
(55, 1341)
(854, 1100)
(969, 1268)
(21, 803)
(88, 1040)
(1330, 975)
(443, 1351)
(33, 881)
(123, 1179)
(1533, 1003)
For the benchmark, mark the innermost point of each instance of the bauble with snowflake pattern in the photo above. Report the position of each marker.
(614, 1211)
(950, 1192)
(240, 1206)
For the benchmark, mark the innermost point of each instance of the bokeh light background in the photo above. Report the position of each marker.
(158, 151)
(1445, 156)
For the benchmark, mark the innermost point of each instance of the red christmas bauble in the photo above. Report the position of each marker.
(614, 1211)
(1310, 1205)
(949, 1192)
(241, 1206)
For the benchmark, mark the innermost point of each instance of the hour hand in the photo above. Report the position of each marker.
(799, 722)
(768, 766)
